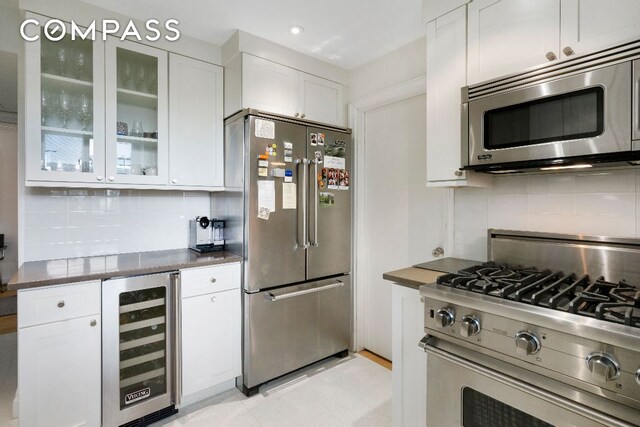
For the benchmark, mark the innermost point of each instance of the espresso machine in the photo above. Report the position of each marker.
(206, 235)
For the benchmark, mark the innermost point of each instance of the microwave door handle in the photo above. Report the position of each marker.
(314, 241)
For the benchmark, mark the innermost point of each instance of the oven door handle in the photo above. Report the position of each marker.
(427, 343)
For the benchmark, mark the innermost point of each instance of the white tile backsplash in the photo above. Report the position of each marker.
(73, 223)
(599, 203)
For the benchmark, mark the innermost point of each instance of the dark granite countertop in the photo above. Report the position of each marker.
(70, 270)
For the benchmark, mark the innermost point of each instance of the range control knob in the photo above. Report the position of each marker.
(527, 343)
(469, 326)
(445, 317)
(638, 376)
(603, 367)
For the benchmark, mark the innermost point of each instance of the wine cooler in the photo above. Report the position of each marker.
(138, 349)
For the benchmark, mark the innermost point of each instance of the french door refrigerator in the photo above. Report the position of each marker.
(293, 225)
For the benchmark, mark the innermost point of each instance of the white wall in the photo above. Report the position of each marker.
(63, 223)
(596, 203)
(9, 198)
(401, 65)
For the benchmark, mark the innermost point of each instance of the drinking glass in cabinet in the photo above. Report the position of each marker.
(64, 107)
(47, 105)
(84, 113)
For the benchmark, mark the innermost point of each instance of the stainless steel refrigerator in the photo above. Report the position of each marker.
(288, 211)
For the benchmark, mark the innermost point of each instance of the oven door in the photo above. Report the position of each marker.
(461, 391)
(581, 115)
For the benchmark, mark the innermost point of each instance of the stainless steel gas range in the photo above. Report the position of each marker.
(545, 334)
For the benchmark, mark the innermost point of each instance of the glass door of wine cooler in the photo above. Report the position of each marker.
(137, 347)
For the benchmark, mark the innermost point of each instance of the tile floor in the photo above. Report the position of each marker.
(8, 377)
(353, 391)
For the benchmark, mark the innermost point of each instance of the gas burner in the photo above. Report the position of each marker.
(613, 302)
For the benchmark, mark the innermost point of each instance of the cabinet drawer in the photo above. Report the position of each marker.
(204, 280)
(55, 303)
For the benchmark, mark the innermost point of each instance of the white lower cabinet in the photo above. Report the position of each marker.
(210, 327)
(59, 373)
(409, 373)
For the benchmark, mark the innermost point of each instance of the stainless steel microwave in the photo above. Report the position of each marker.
(573, 114)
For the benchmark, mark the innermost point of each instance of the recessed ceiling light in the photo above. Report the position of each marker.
(296, 29)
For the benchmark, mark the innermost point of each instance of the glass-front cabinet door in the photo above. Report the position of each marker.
(64, 96)
(136, 114)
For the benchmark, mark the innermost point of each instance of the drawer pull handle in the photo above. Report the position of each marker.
(60, 304)
(213, 280)
(93, 322)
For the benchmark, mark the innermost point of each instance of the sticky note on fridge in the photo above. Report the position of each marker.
(288, 159)
(334, 162)
(278, 173)
(263, 172)
(288, 145)
(265, 129)
(263, 213)
(267, 195)
(263, 163)
(288, 195)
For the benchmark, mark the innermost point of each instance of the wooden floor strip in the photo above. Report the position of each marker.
(375, 358)
(8, 324)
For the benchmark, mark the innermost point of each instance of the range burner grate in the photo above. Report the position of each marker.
(613, 302)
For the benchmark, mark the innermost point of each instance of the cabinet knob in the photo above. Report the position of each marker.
(458, 173)
(93, 322)
(213, 298)
(296, 115)
(99, 177)
(112, 178)
(551, 56)
(568, 51)
(213, 280)
(60, 304)
(174, 181)
(303, 115)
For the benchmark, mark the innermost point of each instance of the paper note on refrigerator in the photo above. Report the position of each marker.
(267, 195)
(288, 195)
(334, 162)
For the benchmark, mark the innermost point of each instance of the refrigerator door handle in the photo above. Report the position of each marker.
(303, 243)
(336, 284)
(314, 240)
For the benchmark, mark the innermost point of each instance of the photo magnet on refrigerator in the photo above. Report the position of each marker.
(321, 139)
(314, 138)
(287, 145)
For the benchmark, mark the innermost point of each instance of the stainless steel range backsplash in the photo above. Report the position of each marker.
(71, 223)
(595, 203)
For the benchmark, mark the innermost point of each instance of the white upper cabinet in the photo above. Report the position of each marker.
(136, 114)
(98, 114)
(446, 65)
(269, 86)
(275, 88)
(64, 96)
(195, 123)
(589, 25)
(507, 36)
(321, 100)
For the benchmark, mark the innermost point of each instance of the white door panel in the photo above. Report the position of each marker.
(403, 219)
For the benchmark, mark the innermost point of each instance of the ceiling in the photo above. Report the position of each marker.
(347, 33)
